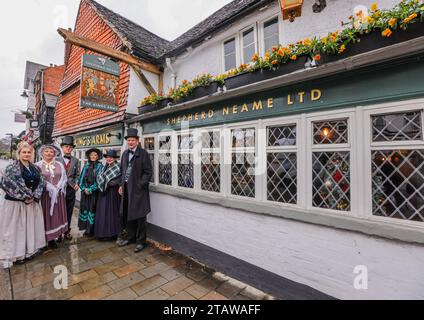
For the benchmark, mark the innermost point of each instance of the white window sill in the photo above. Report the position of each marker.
(374, 227)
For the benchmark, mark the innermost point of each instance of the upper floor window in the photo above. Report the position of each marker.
(249, 45)
(230, 59)
(271, 34)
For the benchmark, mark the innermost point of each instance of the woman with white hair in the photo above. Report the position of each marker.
(53, 200)
(21, 216)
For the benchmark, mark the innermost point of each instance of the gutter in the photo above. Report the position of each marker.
(400, 50)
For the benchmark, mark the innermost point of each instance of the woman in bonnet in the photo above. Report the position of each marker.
(21, 215)
(53, 200)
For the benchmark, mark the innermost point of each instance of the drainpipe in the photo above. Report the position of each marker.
(174, 74)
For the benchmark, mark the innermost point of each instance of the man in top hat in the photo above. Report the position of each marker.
(136, 169)
(73, 169)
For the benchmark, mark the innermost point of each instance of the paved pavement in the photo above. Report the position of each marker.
(101, 270)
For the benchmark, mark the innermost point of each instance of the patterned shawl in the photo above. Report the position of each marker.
(108, 174)
(14, 185)
(60, 188)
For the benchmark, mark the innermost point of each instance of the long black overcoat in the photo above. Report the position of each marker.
(138, 184)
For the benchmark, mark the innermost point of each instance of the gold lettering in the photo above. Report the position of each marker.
(190, 117)
(235, 109)
(196, 116)
(270, 103)
(107, 139)
(168, 122)
(203, 115)
(257, 105)
(179, 120)
(225, 111)
(316, 94)
(245, 108)
(211, 114)
(302, 97)
(289, 100)
(174, 121)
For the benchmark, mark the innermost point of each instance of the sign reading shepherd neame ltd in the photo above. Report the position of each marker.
(99, 83)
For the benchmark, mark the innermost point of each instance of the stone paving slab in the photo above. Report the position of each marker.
(102, 270)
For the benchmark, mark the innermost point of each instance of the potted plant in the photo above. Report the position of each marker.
(279, 61)
(204, 85)
(181, 93)
(151, 103)
(380, 29)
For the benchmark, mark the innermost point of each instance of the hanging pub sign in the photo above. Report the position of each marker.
(99, 83)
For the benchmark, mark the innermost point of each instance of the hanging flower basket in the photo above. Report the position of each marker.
(374, 40)
(246, 78)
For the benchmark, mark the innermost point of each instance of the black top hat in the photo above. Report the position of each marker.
(112, 154)
(132, 133)
(68, 141)
(99, 153)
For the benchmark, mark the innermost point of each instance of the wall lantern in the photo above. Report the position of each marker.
(291, 9)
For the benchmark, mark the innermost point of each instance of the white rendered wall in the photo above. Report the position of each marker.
(137, 91)
(320, 257)
(208, 58)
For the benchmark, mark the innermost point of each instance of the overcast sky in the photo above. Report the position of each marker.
(28, 32)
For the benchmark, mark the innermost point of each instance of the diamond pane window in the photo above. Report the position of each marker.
(185, 170)
(165, 143)
(398, 184)
(331, 180)
(211, 172)
(211, 140)
(152, 159)
(397, 127)
(331, 132)
(243, 138)
(149, 144)
(185, 142)
(165, 169)
(243, 175)
(282, 136)
(282, 177)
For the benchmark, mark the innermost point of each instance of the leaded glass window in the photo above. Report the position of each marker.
(397, 127)
(149, 146)
(331, 180)
(243, 163)
(282, 164)
(185, 161)
(165, 160)
(211, 161)
(331, 132)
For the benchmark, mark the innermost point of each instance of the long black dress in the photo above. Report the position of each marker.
(88, 181)
(108, 221)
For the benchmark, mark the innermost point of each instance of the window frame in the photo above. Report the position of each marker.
(285, 121)
(190, 151)
(241, 42)
(262, 31)
(370, 146)
(237, 51)
(220, 151)
(165, 151)
(348, 114)
(155, 153)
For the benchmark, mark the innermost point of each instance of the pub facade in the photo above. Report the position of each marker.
(305, 184)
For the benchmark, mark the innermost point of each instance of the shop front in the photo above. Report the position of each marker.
(110, 138)
(303, 182)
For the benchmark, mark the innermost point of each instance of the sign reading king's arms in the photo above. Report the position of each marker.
(103, 138)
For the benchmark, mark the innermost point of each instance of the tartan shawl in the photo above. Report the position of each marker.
(108, 174)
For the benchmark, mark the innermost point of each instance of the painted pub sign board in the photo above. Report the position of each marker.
(99, 83)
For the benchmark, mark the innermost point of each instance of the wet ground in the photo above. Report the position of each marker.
(101, 270)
